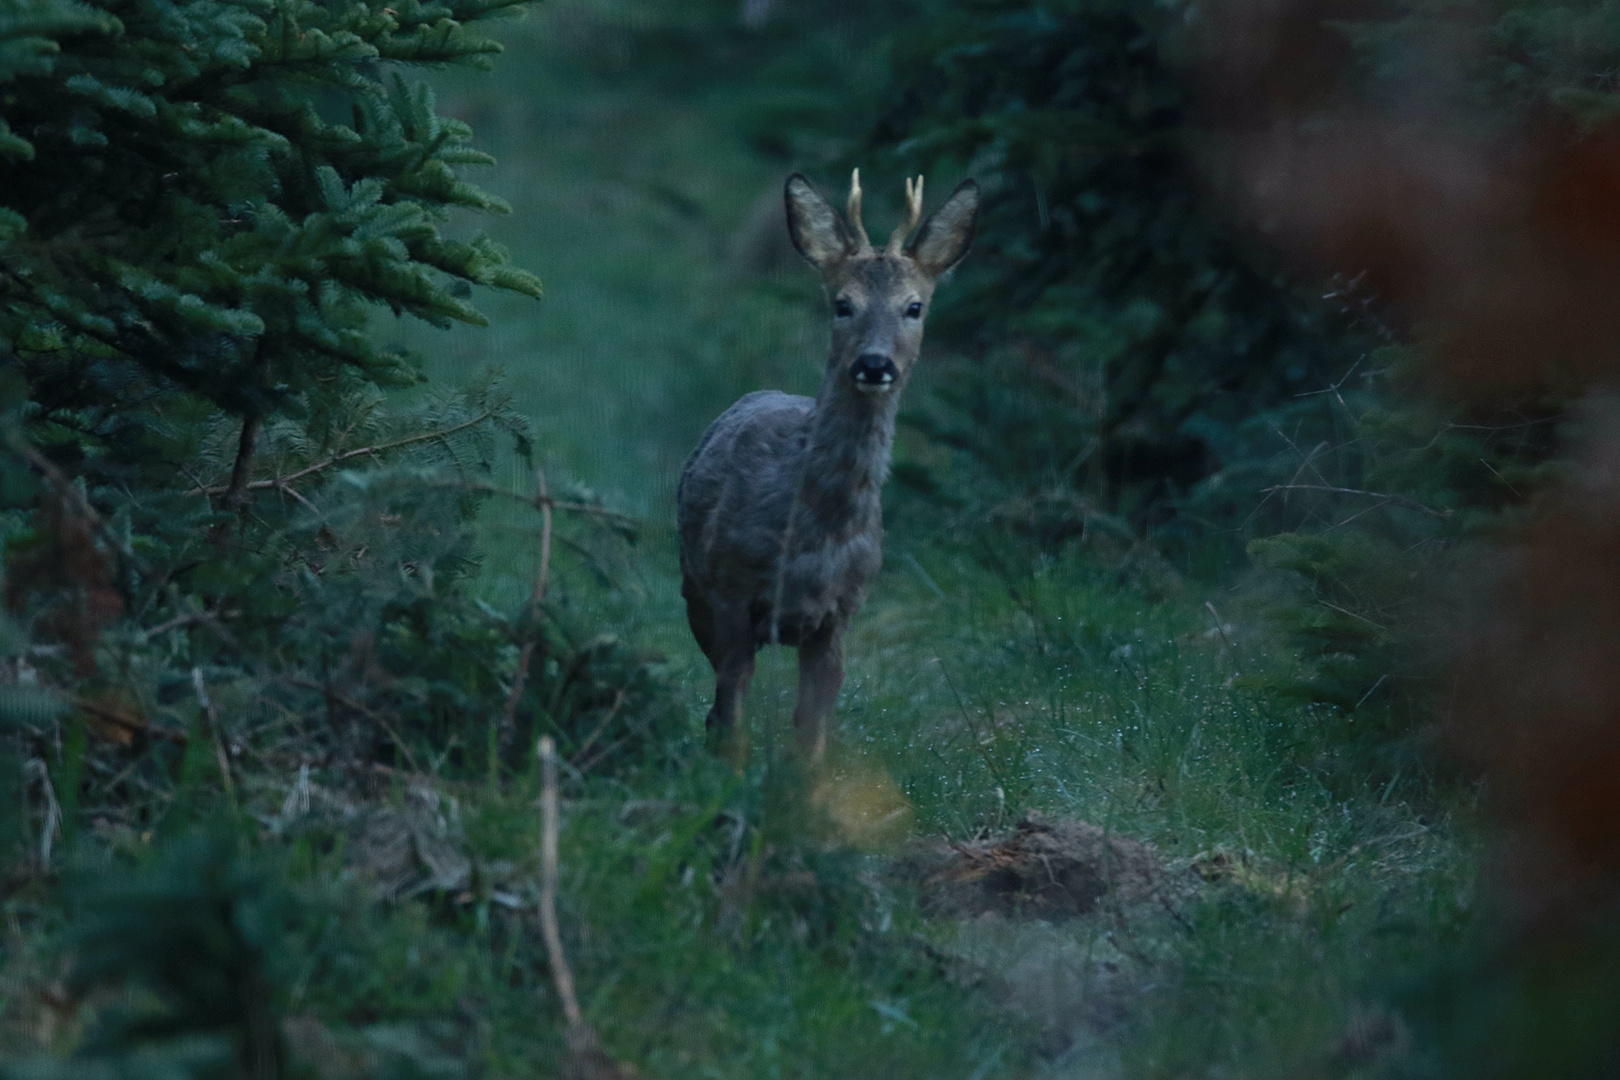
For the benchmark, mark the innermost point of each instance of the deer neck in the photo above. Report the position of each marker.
(847, 460)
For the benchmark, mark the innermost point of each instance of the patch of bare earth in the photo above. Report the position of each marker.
(1058, 919)
(1049, 869)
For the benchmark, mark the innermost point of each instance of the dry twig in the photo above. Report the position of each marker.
(211, 715)
(339, 458)
(537, 593)
(586, 1058)
(1398, 500)
(53, 812)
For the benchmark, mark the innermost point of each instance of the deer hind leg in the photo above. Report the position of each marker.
(821, 676)
(700, 617)
(732, 656)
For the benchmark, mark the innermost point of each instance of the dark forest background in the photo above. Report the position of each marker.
(1250, 558)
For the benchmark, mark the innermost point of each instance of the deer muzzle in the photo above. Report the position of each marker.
(874, 371)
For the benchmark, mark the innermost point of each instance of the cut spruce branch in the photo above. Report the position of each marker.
(544, 503)
(586, 1058)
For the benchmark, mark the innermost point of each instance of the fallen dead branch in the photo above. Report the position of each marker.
(586, 1058)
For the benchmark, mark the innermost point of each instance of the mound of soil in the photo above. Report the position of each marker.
(1047, 869)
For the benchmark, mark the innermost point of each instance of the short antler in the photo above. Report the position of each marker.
(913, 215)
(855, 213)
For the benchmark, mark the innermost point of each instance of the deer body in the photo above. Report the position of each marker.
(780, 505)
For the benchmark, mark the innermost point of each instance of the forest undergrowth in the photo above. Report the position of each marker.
(325, 862)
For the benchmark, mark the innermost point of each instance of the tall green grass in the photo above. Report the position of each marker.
(725, 927)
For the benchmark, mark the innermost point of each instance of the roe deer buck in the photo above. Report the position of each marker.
(781, 518)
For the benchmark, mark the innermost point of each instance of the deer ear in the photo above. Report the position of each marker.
(817, 231)
(945, 237)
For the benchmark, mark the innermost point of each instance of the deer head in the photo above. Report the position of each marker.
(879, 298)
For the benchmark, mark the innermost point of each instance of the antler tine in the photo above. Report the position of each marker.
(914, 203)
(855, 211)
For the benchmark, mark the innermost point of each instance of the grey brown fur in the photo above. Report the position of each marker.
(780, 508)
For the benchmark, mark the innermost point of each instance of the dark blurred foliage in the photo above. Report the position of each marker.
(1118, 338)
(1462, 163)
(192, 953)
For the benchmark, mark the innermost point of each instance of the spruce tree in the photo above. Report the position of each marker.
(203, 201)
(205, 207)
(235, 559)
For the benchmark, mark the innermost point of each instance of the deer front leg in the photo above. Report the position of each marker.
(733, 660)
(821, 676)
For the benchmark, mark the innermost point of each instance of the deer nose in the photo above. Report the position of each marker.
(874, 369)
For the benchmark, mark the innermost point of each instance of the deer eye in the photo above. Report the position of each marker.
(914, 310)
(843, 308)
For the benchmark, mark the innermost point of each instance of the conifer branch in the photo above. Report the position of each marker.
(281, 482)
(546, 502)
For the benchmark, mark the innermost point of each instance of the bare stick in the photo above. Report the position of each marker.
(347, 455)
(289, 490)
(53, 812)
(1398, 500)
(544, 501)
(537, 593)
(560, 971)
(183, 619)
(618, 700)
(213, 730)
